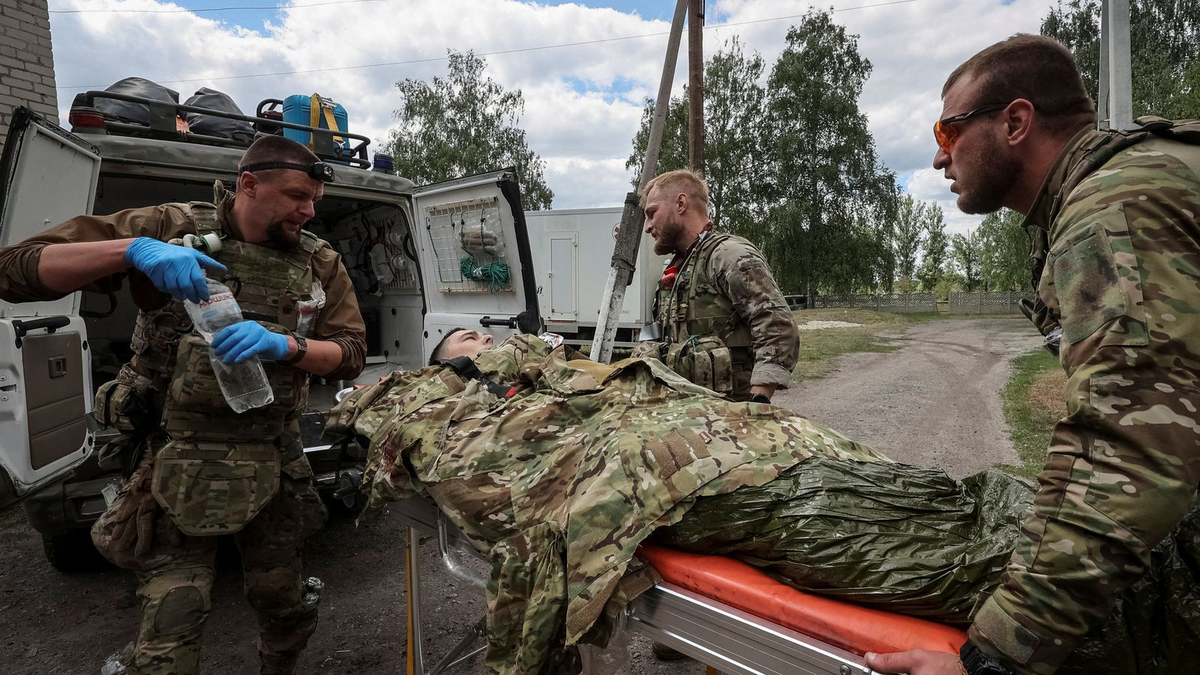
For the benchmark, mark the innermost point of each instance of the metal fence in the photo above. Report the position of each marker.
(986, 303)
(899, 303)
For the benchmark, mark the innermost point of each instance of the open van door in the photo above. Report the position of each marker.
(47, 175)
(476, 265)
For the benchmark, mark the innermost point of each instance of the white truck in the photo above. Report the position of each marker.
(572, 253)
(402, 245)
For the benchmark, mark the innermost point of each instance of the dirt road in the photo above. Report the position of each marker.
(933, 402)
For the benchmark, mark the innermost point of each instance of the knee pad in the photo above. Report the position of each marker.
(179, 610)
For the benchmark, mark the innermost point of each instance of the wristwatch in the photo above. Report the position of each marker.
(301, 350)
(759, 398)
(976, 662)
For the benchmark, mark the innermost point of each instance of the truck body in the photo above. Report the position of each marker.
(399, 242)
(572, 254)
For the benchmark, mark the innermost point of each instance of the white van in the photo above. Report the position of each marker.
(402, 245)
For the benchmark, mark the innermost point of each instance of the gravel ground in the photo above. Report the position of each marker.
(933, 402)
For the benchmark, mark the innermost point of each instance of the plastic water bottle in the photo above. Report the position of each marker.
(244, 384)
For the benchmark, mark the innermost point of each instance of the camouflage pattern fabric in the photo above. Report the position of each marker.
(559, 483)
(1122, 279)
(725, 292)
(175, 575)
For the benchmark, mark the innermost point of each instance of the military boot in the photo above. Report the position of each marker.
(277, 665)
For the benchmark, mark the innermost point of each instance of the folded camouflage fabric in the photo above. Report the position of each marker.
(558, 484)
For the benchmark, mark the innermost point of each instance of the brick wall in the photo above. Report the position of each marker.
(26, 61)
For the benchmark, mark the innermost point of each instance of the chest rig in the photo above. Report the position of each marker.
(705, 340)
(269, 284)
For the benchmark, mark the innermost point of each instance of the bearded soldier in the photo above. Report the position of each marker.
(203, 469)
(723, 321)
(1115, 221)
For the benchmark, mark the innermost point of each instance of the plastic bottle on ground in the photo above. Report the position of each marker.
(244, 384)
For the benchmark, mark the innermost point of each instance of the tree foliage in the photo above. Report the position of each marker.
(463, 124)
(968, 262)
(1004, 252)
(1164, 45)
(934, 258)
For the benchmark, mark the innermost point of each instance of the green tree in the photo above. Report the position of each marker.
(733, 104)
(935, 249)
(907, 237)
(830, 201)
(464, 124)
(967, 259)
(1164, 45)
(1004, 263)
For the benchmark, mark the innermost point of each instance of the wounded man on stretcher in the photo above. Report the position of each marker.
(556, 468)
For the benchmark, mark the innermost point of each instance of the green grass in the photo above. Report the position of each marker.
(1030, 418)
(819, 347)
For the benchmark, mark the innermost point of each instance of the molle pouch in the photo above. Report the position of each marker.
(675, 359)
(711, 364)
(214, 488)
(648, 349)
(125, 403)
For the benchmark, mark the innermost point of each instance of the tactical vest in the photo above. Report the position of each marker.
(1096, 155)
(219, 468)
(706, 341)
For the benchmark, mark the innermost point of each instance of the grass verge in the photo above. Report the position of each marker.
(1033, 403)
(819, 347)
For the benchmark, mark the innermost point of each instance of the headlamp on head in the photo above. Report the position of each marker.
(319, 171)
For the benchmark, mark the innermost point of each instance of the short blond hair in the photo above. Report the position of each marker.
(675, 182)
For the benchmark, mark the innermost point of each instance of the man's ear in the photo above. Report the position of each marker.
(247, 183)
(681, 203)
(1019, 118)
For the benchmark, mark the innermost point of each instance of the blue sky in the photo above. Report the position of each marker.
(583, 103)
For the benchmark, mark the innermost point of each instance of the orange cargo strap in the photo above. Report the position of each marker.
(316, 109)
(850, 627)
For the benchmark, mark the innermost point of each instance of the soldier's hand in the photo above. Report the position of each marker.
(916, 662)
(236, 343)
(172, 269)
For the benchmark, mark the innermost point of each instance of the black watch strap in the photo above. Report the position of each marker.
(301, 350)
(759, 398)
(975, 662)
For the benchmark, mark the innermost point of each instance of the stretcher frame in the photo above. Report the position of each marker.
(727, 640)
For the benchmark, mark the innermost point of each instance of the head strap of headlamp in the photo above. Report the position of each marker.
(317, 170)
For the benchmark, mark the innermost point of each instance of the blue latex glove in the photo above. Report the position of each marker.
(172, 269)
(236, 343)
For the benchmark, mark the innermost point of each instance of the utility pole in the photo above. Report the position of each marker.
(629, 236)
(696, 86)
(1115, 107)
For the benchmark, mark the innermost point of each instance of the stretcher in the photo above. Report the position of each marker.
(727, 615)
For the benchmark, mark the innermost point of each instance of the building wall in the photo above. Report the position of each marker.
(26, 61)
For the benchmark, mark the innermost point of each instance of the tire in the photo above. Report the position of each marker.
(73, 552)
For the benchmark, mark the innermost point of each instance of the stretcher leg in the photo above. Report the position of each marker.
(412, 568)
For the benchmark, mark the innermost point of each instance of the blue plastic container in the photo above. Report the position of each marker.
(297, 109)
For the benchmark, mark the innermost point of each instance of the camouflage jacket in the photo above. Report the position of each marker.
(559, 483)
(1122, 278)
(724, 288)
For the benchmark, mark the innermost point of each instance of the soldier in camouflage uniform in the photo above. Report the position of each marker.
(557, 467)
(1115, 220)
(203, 469)
(724, 323)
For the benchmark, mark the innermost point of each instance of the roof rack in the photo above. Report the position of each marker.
(162, 124)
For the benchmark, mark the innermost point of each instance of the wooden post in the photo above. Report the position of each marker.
(625, 253)
(696, 86)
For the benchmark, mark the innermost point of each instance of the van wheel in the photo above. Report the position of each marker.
(72, 552)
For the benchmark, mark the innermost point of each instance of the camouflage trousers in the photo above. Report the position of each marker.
(175, 576)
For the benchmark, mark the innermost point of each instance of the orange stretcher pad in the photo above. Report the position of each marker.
(849, 627)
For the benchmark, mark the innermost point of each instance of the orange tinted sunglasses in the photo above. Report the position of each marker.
(945, 132)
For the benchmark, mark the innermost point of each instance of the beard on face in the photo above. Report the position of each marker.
(279, 237)
(991, 179)
(668, 235)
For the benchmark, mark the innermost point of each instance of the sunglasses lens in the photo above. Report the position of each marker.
(945, 135)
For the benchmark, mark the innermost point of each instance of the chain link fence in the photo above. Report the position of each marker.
(986, 303)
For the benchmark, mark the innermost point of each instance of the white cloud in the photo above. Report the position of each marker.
(582, 103)
(929, 185)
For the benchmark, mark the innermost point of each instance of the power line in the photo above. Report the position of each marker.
(205, 10)
(493, 53)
